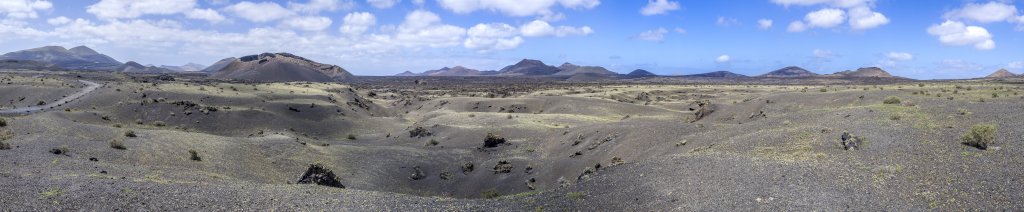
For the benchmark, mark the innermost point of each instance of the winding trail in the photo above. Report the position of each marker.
(89, 88)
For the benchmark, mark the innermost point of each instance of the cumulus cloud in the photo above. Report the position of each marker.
(899, 56)
(205, 14)
(114, 9)
(22, 9)
(955, 33)
(723, 59)
(539, 28)
(658, 7)
(824, 54)
(796, 26)
(357, 23)
(315, 6)
(492, 37)
(383, 4)
(1015, 65)
(764, 23)
(259, 12)
(307, 23)
(655, 35)
(984, 13)
(723, 21)
(424, 28)
(58, 20)
(858, 13)
(517, 8)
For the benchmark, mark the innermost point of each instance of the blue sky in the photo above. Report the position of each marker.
(917, 39)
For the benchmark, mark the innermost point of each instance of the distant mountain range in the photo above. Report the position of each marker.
(190, 67)
(277, 67)
(717, 74)
(1002, 73)
(77, 58)
(640, 73)
(525, 67)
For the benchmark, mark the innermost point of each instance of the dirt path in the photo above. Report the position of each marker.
(90, 87)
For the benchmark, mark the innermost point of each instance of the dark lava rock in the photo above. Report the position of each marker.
(851, 141)
(702, 110)
(493, 141)
(419, 132)
(317, 174)
(417, 174)
(467, 168)
(503, 167)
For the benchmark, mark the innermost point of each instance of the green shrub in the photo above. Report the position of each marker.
(159, 123)
(351, 137)
(117, 144)
(130, 134)
(892, 100)
(194, 155)
(3, 122)
(980, 136)
(491, 194)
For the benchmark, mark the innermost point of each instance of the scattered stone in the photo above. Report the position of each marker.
(617, 161)
(493, 141)
(703, 109)
(530, 184)
(447, 175)
(587, 173)
(851, 141)
(419, 132)
(467, 168)
(417, 174)
(503, 167)
(319, 175)
(94, 159)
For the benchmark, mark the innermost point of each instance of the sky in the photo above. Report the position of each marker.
(935, 39)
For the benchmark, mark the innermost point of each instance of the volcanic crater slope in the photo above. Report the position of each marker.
(278, 67)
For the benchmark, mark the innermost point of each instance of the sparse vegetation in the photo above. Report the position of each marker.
(491, 194)
(575, 195)
(892, 100)
(980, 136)
(117, 144)
(3, 122)
(193, 155)
(159, 123)
(351, 137)
(130, 134)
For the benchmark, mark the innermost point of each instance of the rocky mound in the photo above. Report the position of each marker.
(133, 67)
(219, 65)
(863, 72)
(1001, 73)
(317, 174)
(717, 74)
(27, 65)
(455, 71)
(190, 67)
(75, 58)
(791, 71)
(528, 67)
(568, 69)
(279, 67)
(640, 73)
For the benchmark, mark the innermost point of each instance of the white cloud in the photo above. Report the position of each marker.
(58, 20)
(424, 28)
(825, 54)
(1015, 65)
(383, 4)
(259, 12)
(21, 9)
(858, 13)
(315, 6)
(659, 7)
(723, 59)
(825, 18)
(764, 23)
(796, 26)
(517, 8)
(862, 18)
(492, 37)
(205, 14)
(955, 33)
(899, 56)
(656, 35)
(723, 21)
(984, 13)
(680, 30)
(307, 23)
(419, 2)
(115, 9)
(357, 23)
(539, 28)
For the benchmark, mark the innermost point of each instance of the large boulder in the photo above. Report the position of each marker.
(319, 175)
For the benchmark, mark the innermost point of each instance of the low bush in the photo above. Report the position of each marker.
(980, 136)
(193, 155)
(117, 144)
(892, 100)
(130, 134)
